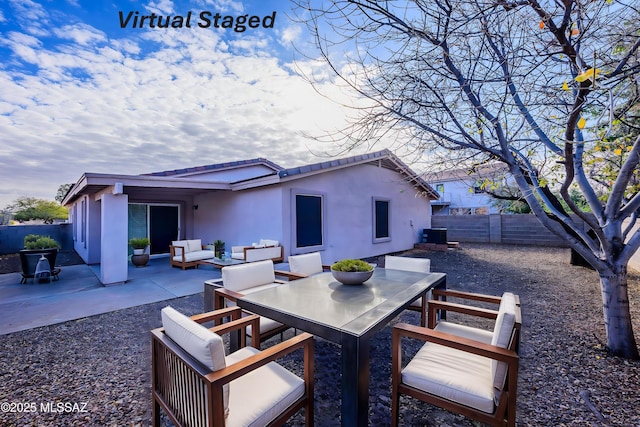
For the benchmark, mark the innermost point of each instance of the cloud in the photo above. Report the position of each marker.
(142, 101)
(290, 35)
(82, 34)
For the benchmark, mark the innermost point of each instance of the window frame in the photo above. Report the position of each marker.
(374, 219)
(295, 193)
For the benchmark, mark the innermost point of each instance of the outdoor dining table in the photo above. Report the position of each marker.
(348, 315)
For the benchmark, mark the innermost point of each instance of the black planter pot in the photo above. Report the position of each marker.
(140, 260)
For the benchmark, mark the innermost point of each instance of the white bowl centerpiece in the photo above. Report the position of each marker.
(352, 271)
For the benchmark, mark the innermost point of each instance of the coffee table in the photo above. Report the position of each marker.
(346, 315)
(219, 263)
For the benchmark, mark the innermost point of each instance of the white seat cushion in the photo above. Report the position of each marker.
(244, 276)
(419, 265)
(456, 375)
(306, 264)
(502, 332)
(206, 346)
(258, 397)
(465, 331)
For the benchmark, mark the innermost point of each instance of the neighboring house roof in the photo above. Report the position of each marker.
(186, 181)
(490, 170)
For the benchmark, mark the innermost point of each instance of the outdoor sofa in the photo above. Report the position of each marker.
(264, 250)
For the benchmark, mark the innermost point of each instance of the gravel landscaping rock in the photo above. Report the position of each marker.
(96, 371)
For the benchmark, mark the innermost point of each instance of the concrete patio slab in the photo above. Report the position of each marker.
(79, 293)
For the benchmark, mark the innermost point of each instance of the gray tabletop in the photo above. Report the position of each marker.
(321, 305)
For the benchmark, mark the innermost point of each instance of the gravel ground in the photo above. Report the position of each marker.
(100, 366)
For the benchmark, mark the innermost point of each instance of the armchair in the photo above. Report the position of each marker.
(419, 265)
(238, 280)
(480, 377)
(197, 385)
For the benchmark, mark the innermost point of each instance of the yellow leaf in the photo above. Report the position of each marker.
(581, 123)
(617, 151)
(565, 86)
(575, 32)
(590, 74)
(541, 25)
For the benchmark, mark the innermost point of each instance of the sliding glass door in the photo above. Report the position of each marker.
(160, 223)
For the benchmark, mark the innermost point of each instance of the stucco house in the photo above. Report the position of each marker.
(353, 207)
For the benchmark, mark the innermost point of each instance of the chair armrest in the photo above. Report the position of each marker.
(242, 367)
(465, 295)
(224, 293)
(172, 251)
(233, 312)
(241, 324)
(289, 275)
(434, 305)
(452, 341)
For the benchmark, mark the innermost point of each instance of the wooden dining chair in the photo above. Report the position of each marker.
(197, 385)
(461, 368)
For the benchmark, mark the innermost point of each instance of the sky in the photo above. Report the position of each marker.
(92, 86)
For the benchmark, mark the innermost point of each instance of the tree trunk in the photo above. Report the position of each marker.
(617, 317)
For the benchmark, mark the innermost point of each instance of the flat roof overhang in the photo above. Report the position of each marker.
(140, 186)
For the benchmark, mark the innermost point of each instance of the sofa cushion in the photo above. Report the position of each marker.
(194, 245)
(268, 242)
(195, 256)
(244, 276)
(306, 264)
(502, 336)
(260, 254)
(181, 243)
(204, 345)
(456, 375)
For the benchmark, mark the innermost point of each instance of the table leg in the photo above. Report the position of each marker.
(355, 381)
(209, 291)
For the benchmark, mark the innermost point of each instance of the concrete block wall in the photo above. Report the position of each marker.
(464, 228)
(12, 236)
(507, 229)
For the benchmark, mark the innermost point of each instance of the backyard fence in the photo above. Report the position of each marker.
(506, 229)
(12, 236)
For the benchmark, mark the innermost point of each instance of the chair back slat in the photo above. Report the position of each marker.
(183, 390)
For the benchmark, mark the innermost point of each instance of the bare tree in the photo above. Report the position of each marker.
(516, 81)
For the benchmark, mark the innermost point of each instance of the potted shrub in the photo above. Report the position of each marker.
(218, 246)
(352, 271)
(139, 244)
(36, 245)
(35, 241)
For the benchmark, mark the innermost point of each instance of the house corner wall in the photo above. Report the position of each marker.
(114, 231)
